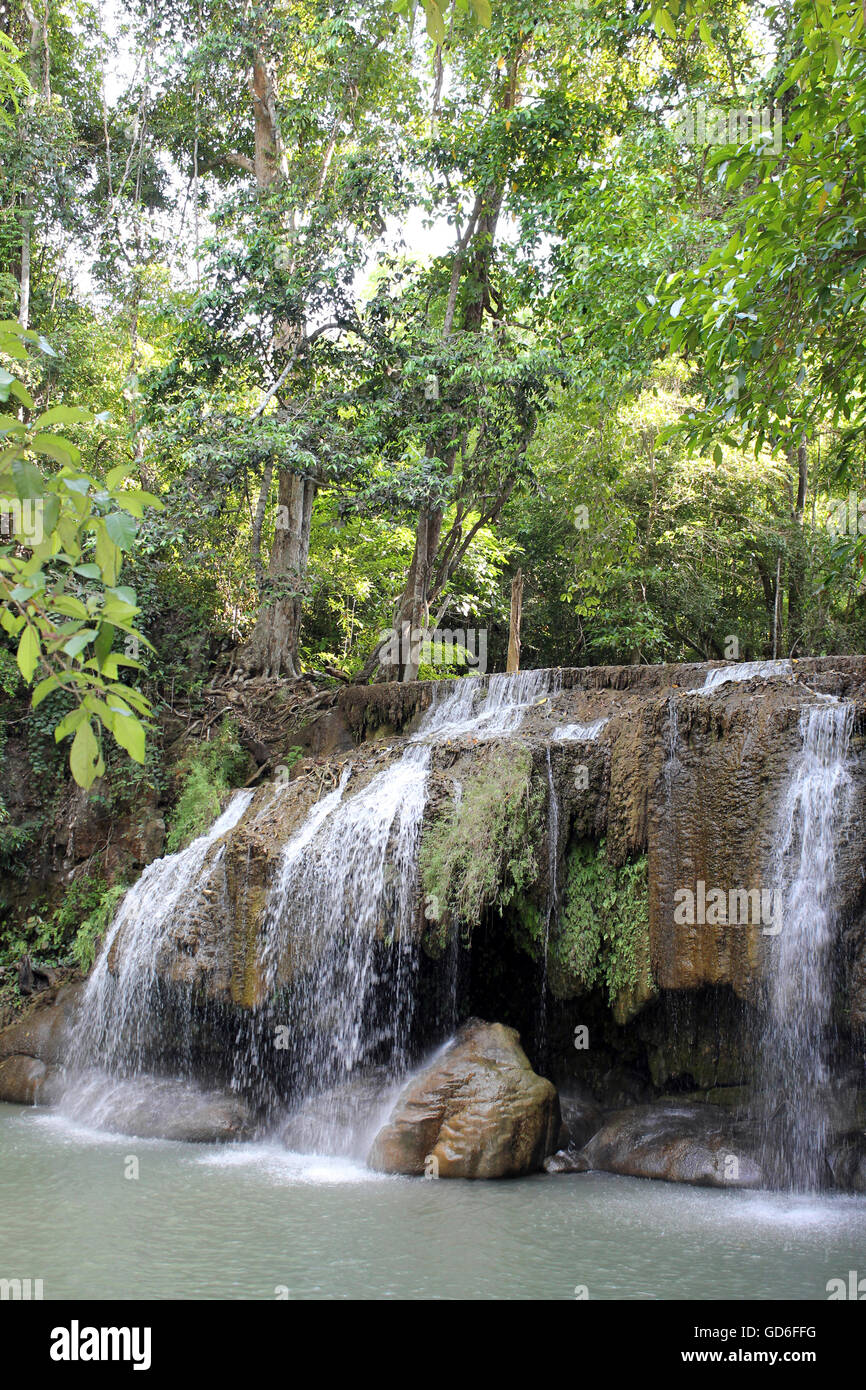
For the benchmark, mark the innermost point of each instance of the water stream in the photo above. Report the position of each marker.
(795, 1046)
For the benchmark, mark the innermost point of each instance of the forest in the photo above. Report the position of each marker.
(325, 321)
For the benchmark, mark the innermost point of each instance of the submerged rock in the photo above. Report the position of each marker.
(569, 1160)
(698, 1144)
(477, 1111)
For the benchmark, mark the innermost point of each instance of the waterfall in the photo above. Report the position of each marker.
(672, 763)
(344, 905)
(121, 1005)
(742, 671)
(338, 947)
(795, 1042)
(579, 733)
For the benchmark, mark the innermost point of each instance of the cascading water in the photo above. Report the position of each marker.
(672, 743)
(339, 923)
(117, 1017)
(795, 1042)
(344, 903)
(552, 904)
(742, 671)
(579, 733)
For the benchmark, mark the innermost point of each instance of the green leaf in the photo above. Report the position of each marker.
(64, 415)
(122, 530)
(116, 475)
(76, 644)
(29, 483)
(28, 652)
(44, 688)
(70, 722)
(56, 448)
(664, 23)
(84, 756)
(69, 606)
(435, 21)
(129, 733)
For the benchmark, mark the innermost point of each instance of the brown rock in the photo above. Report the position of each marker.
(477, 1111)
(698, 1144)
(43, 1033)
(27, 1081)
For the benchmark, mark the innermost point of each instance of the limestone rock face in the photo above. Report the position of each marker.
(33, 1048)
(477, 1111)
(698, 1144)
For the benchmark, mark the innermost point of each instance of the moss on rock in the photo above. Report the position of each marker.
(602, 936)
(480, 853)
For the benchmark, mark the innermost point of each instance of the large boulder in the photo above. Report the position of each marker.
(698, 1144)
(477, 1111)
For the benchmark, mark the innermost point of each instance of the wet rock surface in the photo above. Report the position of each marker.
(27, 1081)
(477, 1111)
(155, 1108)
(699, 1144)
(33, 1048)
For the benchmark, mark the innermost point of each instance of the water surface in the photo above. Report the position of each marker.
(248, 1221)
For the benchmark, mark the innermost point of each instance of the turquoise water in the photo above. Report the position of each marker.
(255, 1222)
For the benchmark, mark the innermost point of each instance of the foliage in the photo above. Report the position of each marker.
(773, 316)
(94, 926)
(480, 853)
(477, 286)
(206, 773)
(66, 528)
(602, 939)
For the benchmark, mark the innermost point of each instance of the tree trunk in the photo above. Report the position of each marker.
(514, 623)
(273, 649)
(38, 77)
(797, 563)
